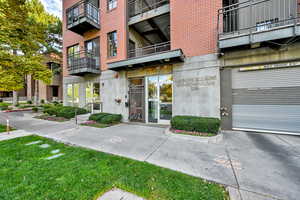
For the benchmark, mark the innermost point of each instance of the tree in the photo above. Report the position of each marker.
(24, 28)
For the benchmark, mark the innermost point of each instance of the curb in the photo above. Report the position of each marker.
(209, 140)
(17, 110)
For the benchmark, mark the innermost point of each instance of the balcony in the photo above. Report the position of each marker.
(153, 49)
(150, 55)
(82, 63)
(140, 10)
(82, 17)
(256, 21)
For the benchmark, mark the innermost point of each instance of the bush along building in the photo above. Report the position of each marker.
(260, 75)
(148, 60)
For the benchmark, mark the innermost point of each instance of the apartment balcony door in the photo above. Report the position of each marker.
(159, 99)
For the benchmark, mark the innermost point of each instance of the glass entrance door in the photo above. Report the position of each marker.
(160, 98)
(92, 95)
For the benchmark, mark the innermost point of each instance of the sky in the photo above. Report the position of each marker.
(53, 6)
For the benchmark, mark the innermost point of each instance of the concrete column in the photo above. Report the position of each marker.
(82, 99)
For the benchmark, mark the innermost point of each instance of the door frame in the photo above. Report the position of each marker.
(143, 96)
(159, 121)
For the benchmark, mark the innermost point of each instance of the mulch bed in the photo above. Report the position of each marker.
(51, 118)
(192, 133)
(95, 124)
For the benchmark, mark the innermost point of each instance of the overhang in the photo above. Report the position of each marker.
(167, 57)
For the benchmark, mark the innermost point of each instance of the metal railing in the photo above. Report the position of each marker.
(137, 7)
(83, 60)
(256, 15)
(80, 10)
(156, 48)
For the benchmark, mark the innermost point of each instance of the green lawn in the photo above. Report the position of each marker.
(85, 174)
(3, 128)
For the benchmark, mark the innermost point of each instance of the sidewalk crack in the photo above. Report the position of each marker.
(156, 149)
(234, 173)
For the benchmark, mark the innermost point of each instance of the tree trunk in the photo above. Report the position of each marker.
(15, 98)
(15, 93)
(36, 93)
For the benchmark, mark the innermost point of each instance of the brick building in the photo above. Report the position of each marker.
(48, 93)
(145, 59)
(152, 59)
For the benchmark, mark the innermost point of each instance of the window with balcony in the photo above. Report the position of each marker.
(112, 44)
(111, 4)
(72, 54)
(93, 48)
(83, 16)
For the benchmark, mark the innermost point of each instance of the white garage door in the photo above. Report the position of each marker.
(267, 100)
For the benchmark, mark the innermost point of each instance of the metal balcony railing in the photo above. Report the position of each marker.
(80, 10)
(137, 7)
(157, 48)
(83, 61)
(256, 15)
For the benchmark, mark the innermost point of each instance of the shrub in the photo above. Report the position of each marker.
(50, 110)
(67, 112)
(4, 106)
(111, 119)
(98, 116)
(197, 124)
(1, 100)
(35, 109)
(106, 118)
(29, 102)
(42, 101)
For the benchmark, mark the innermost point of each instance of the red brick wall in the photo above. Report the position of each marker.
(194, 26)
(114, 20)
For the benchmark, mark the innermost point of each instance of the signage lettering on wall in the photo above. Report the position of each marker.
(197, 82)
(271, 66)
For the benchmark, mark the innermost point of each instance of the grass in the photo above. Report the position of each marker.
(86, 174)
(3, 128)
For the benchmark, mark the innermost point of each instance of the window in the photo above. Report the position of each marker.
(112, 44)
(70, 94)
(92, 10)
(73, 15)
(54, 91)
(111, 4)
(73, 52)
(93, 50)
(73, 94)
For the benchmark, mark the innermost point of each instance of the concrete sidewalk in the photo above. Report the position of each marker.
(255, 166)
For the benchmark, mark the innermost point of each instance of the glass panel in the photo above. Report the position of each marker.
(165, 85)
(88, 93)
(152, 87)
(96, 92)
(76, 94)
(165, 111)
(153, 111)
(70, 94)
(166, 96)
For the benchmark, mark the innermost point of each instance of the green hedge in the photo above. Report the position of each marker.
(4, 106)
(197, 124)
(106, 118)
(67, 112)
